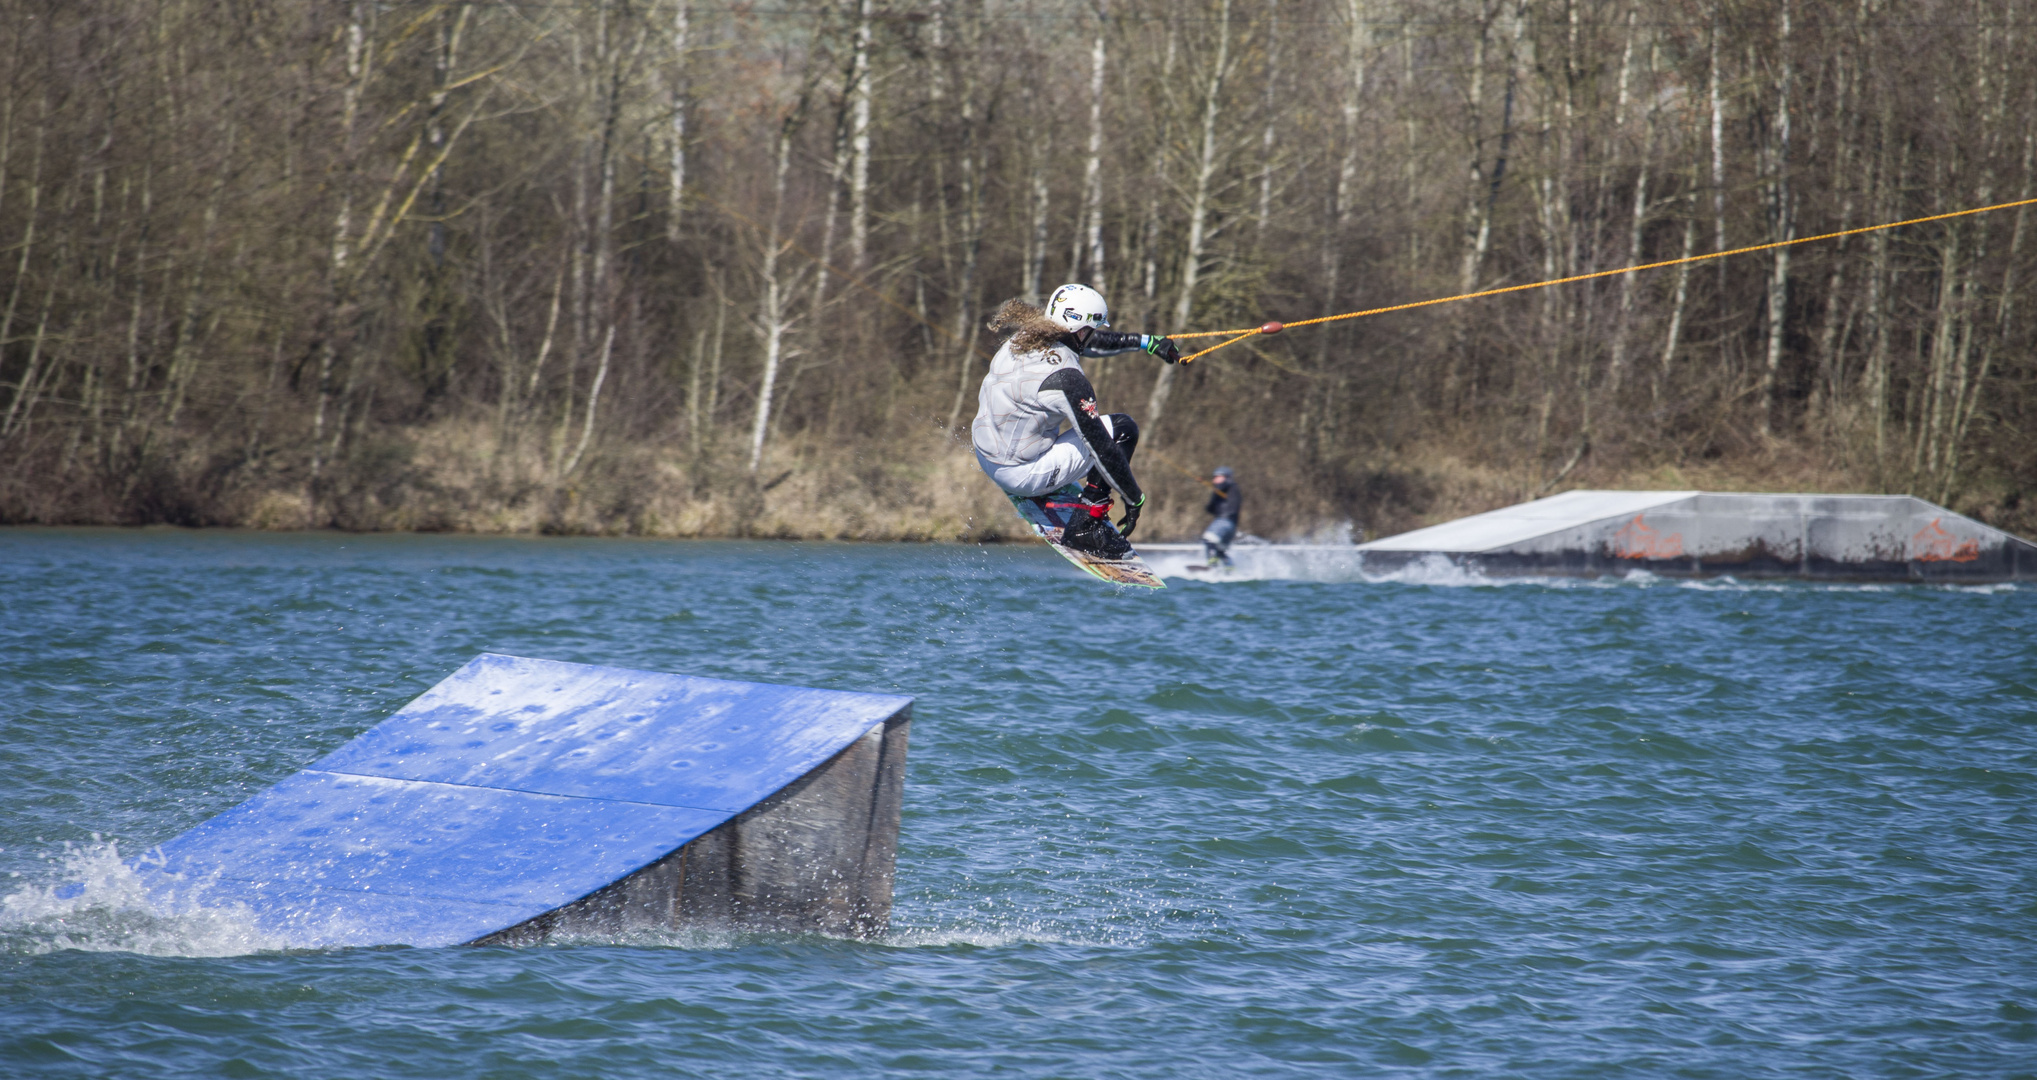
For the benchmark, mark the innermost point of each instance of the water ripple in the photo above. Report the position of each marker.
(1428, 826)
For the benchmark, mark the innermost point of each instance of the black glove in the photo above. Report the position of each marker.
(1131, 519)
(1163, 348)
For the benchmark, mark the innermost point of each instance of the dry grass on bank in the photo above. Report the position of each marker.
(455, 476)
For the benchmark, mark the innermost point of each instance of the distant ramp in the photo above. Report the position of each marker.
(521, 798)
(1700, 533)
(1666, 533)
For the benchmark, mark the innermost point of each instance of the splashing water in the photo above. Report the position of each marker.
(92, 900)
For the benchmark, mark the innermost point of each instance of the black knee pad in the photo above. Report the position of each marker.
(1124, 431)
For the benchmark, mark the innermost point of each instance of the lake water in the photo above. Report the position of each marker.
(1245, 829)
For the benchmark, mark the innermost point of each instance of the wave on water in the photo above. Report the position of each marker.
(991, 937)
(1330, 567)
(93, 901)
(1988, 589)
(1728, 583)
(899, 937)
(984, 934)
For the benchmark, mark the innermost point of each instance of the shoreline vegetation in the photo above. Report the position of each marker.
(675, 268)
(937, 494)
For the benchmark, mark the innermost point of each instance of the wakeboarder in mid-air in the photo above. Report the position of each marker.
(1036, 384)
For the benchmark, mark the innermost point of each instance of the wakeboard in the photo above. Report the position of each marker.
(1048, 515)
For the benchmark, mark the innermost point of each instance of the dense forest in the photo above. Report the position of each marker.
(683, 268)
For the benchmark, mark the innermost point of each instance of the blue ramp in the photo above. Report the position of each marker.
(512, 789)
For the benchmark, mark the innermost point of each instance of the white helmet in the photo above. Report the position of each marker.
(1077, 306)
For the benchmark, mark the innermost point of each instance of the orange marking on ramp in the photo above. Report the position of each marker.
(1636, 540)
(1933, 544)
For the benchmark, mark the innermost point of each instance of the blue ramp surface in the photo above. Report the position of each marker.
(514, 787)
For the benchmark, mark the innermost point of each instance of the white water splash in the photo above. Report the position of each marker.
(988, 937)
(91, 900)
(1733, 584)
(1334, 565)
(1433, 569)
(1985, 590)
(1344, 533)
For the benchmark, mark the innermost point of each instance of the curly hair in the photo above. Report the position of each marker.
(1028, 327)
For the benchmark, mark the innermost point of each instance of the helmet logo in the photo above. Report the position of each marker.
(1075, 306)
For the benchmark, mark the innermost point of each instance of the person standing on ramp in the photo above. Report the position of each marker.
(1034, 385)
(1223, 504)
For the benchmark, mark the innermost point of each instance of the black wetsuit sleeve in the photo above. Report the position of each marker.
(1101, 342)
(1069, 391)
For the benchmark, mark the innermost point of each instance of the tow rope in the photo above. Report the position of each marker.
(1276, 327)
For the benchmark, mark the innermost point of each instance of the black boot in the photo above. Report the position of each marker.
(1094, 536)
(1096, 491)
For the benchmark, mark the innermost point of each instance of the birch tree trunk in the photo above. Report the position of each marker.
(1411, 167)
(860, 91)
(1149, 225)
(354, 253)
(436, 354)
(1782, 225)
(1876, 375)
(772, 314)
(1967, 383)
(1040, 196)
(2004, 317)
(593, 402)
(130, 404)
(851, 155)
(29, 388)
(360, 59)
(964, 334)
(1271, 108)
(1485, 192)
(178, 376)
(693, 372)
(721, 310)
(1718, 104)
(27, 249)
(1831, 339)
(1944, 336)
(1344, 197)
(1089, 230)
(1636, 225)
(617, 48)
(1477, 206)
(838, 172)
(1681, 303)
(537, 366)
(679, 101)
(1198, 212)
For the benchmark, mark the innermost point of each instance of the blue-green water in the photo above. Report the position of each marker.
(1261, 828)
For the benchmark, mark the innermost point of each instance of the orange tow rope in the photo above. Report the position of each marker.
(1276, 327)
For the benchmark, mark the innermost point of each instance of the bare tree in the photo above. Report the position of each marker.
(470, 265)
(1212, 154)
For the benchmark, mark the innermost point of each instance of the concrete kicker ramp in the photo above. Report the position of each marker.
(1667, 533)
(523, 798)
(1698, 533)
